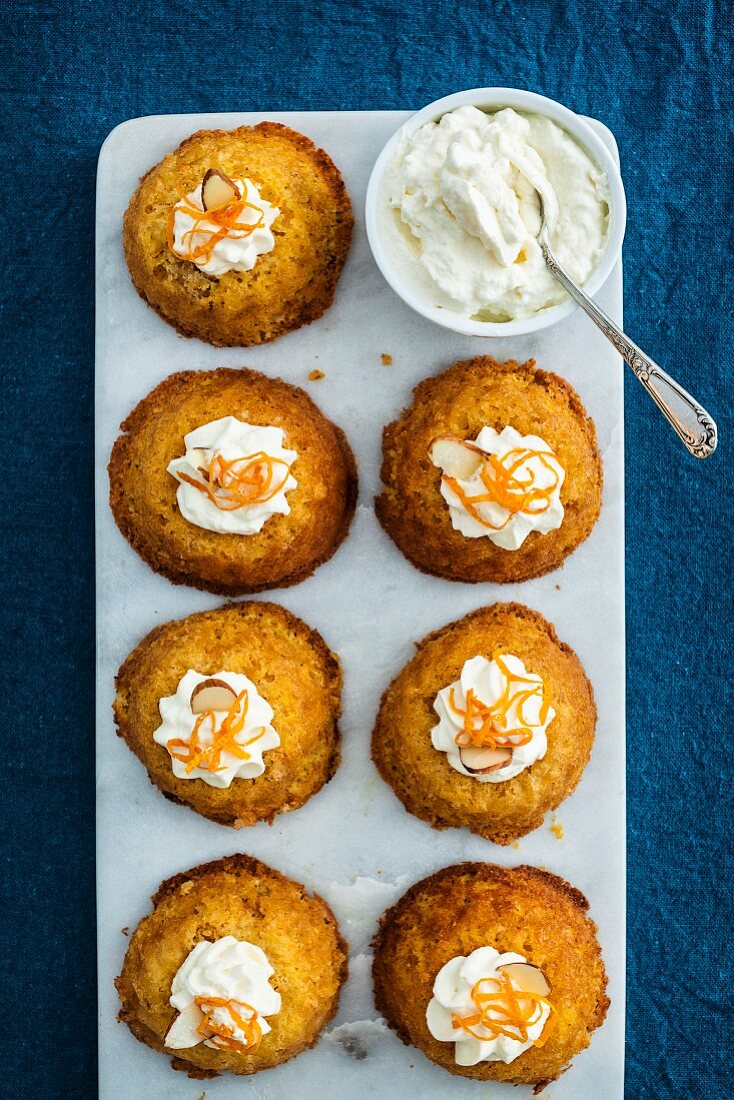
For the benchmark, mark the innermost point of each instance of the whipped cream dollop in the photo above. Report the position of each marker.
(229, 970)
(452, 1001)
(466, 214)
(499, 697)
(233, 476)
(216, 249)
(530, 482)
(185, 734)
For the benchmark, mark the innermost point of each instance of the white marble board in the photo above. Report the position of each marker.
(353, 842)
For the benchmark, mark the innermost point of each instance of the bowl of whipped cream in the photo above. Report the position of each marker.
(452, 210)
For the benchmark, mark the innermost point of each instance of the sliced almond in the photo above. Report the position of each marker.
(456, 457)
(482, 761)
(183, 1031)
(527, 978)
(197, 457)
(183, 471)
(212, 695)
(218, 190)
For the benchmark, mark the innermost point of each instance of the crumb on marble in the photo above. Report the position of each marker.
(386, 359)
(316, 376)
(556, 828)
(125, 931)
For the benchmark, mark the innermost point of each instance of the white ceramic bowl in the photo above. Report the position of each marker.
(493, 99)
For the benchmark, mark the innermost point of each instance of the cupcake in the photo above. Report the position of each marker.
(233, 712)
(488, 726)
(239, 236)
(492, 474)
(493, 973)
(231, 481)
(237, 969)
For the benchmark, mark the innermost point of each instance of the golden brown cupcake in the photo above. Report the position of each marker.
(488, 726)
(239, 236)
(237, 969)
(233, 712)
(492, 474)
(493, 973)
(231, 481)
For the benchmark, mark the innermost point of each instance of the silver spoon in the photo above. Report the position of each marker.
(684, 414)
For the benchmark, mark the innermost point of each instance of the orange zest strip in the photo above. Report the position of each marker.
(550, 1026)
(224, 220)
(244, 1018)
(489, 732)
(194, 754)
(237, 482)
(506, 487)
(503, 1010)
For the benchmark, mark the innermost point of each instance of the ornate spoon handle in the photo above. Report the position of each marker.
(689, 419)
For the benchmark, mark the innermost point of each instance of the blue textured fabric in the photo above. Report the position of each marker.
(660, 75)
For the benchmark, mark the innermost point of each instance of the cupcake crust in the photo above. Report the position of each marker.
(422, 777)
(288, 287)
(472, 905)
(468, 396)
(289, 547)
(241, 897)
(291, 667)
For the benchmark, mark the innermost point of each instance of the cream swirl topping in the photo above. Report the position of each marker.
(222, 992)
(216, 745)
(512, 487)
(493, 719)
(233, 476)
(492, 1005)
(231, 238)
